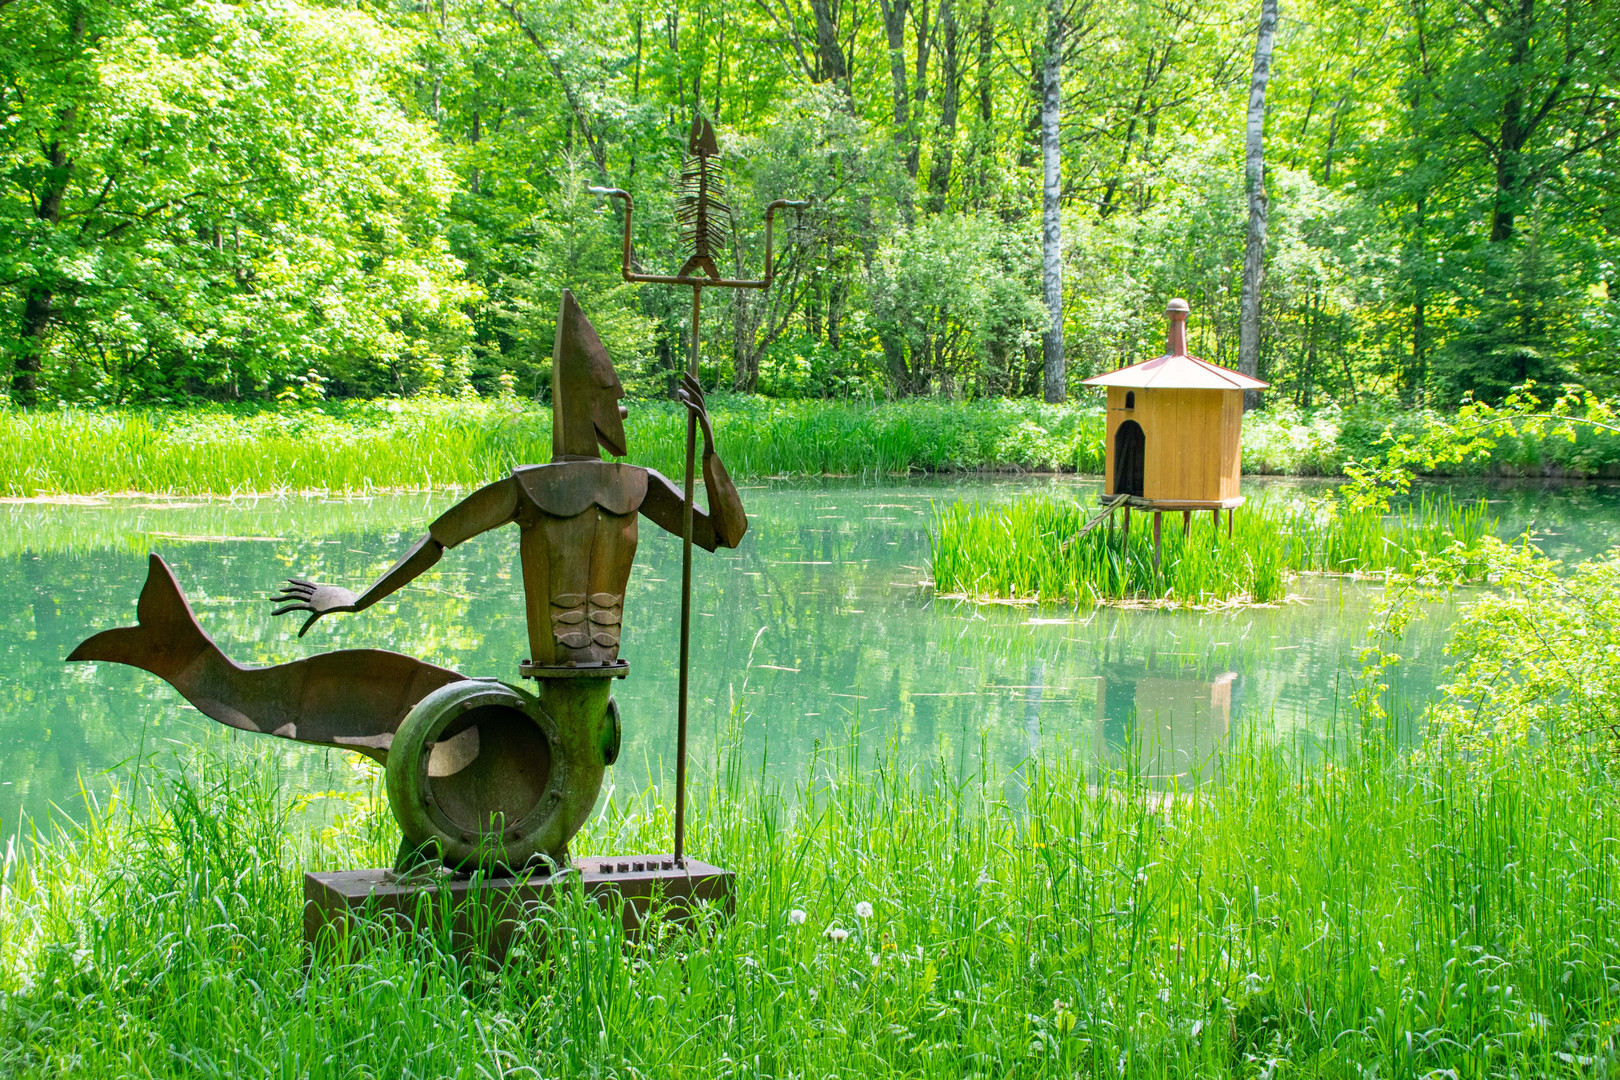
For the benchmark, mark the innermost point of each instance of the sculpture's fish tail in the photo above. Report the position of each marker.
(166, 639)
(352, 698)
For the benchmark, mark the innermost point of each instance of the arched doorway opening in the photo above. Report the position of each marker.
(1129, 450)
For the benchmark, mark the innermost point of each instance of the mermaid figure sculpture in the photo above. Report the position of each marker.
(479, 773)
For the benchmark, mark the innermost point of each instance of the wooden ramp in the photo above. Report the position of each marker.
(1110, 504)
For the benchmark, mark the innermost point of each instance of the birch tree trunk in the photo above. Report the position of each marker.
(1051, 212)
(1254, 170)
(939, 172)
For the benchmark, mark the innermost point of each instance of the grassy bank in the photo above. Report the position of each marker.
(1373, 917)
(1032, 550)
(424, 443)
(437, 442)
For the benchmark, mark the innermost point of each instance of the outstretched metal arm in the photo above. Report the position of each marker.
(487, 508)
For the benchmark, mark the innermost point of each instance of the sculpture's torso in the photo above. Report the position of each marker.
(578, 541)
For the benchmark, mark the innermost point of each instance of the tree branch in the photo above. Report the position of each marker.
(598, 154)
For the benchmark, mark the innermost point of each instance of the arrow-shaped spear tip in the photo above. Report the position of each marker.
(702, 142)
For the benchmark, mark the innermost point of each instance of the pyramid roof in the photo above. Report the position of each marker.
(1181, 372)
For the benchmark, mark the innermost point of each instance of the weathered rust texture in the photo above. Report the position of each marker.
(474, 781)
(705, 229)
(483, 915)
(352, 699)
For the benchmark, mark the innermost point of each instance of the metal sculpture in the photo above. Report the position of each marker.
(705, 229)
(480, 774)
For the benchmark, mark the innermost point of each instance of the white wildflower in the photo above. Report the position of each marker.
(863, 910)
(836, 935)
(985, 878)
(797, 916)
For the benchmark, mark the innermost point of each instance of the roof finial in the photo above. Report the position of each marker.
(1176, 340)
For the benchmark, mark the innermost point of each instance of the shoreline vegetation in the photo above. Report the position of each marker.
(1363, 908)
(425, 443)
(1038, 550)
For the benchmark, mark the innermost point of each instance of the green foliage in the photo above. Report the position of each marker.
(1534, 652)
(1537, 658)
(213, 198)
(427, 442)
(1034, 550)
(1431, 442)
(437, 441)
(210, 200)
(1061, 921)
(1283, 439)
(954, 306)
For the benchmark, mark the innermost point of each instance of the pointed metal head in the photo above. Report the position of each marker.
(701, 143)
(585, 390)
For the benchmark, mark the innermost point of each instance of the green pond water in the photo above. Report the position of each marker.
(819, 627)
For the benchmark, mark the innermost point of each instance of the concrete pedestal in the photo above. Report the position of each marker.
(482, 914)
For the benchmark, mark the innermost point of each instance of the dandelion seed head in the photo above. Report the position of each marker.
(836, 934)
(797, 916)
(863, 910)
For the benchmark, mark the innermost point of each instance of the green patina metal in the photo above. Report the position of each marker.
(468, 808)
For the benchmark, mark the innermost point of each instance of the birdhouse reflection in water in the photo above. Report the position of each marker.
(1166, 730)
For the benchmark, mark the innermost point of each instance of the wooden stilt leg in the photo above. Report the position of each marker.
(1231, 511)
(1186, 523)
(1215, 520)
(1156, 540)
(1125, 530)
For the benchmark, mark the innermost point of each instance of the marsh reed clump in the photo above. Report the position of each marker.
(1032, 549)
(1367, 911)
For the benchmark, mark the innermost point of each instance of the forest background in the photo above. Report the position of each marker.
(273, 198)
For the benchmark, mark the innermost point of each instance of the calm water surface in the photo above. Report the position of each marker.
(819, 627)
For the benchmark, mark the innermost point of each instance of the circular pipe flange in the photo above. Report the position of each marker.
(475, 771)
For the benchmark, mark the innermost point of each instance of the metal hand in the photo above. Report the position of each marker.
(301, 595)
(690, 394)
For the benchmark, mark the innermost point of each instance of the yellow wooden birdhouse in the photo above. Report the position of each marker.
(1175, 428)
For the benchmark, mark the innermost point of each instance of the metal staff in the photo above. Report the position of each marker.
(704, 221)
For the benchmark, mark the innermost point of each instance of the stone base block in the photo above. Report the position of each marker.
(482, 914)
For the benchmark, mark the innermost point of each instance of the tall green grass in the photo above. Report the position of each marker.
(426, 443)
(1368, 916)
(1031, 550)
